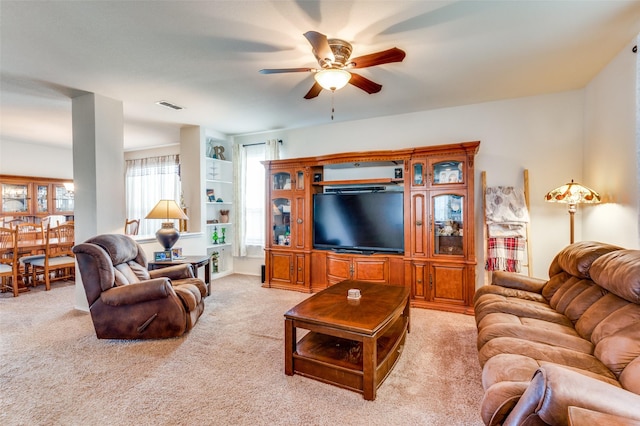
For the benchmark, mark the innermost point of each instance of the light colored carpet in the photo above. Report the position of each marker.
(228, 370)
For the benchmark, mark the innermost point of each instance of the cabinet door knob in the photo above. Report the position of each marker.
(299, 220)
(418, 223)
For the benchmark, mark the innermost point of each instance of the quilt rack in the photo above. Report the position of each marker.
(528, 264)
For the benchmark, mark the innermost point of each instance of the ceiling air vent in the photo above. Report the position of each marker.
(169, 105)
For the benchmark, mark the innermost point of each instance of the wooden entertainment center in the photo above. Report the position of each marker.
(439, 261)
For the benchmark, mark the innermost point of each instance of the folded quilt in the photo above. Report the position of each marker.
(506, 211)
(505, 230)
(505, 254)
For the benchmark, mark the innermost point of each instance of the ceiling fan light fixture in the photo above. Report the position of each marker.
(332, 79)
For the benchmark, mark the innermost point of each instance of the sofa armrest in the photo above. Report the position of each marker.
(174, 272)
(158, 288)
(554, 388)
(517, 281)
(582, 416)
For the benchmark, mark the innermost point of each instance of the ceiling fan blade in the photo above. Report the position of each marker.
(365, 84)
(378, 58)
(314, 91)
(320, 45)
(282, 70)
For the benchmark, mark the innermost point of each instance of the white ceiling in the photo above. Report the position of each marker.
(205, 56)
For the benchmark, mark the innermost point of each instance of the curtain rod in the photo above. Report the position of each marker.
(260, 143)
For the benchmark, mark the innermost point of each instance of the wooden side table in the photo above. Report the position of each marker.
(195, 261)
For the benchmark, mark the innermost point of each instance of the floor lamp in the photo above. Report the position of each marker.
(572, 194)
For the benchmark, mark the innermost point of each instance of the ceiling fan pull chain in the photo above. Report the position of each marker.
(332, 108)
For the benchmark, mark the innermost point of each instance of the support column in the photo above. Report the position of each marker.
(98, 171)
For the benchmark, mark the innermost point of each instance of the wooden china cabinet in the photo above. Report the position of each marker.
(440, 230)
(33, 198)
(438, 263)
(288, 241)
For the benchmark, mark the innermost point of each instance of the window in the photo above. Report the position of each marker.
(147, 181)
(254, 196)
(249, 195)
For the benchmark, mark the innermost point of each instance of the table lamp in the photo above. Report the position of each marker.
(572, 194)
(168, 235)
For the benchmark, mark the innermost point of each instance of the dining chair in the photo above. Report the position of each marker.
(29, 232)
(131, 227)
(8, 260)
(59, 261)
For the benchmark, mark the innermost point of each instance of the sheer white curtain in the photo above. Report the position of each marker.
(249, 186)
(149, 180)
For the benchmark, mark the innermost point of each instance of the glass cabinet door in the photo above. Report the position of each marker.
(15, 198)
(42, 198)
(299, 180)
(448, 221)
(417, 178)
(63, 200)
(281, 221)
(281, 180)
(447, 172)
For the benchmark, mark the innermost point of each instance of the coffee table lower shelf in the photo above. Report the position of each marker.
(339, 361)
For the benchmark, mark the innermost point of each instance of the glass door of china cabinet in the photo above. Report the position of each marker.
(447, 172)
(42, 198)
(281, 221)
(448, 224)
(281, 181)
(15, 198)
(63, 200)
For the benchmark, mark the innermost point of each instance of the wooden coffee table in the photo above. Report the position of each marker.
(353, 344)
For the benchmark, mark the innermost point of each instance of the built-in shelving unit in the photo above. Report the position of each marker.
(219, 206)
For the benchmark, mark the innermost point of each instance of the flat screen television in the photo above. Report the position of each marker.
(359, 222)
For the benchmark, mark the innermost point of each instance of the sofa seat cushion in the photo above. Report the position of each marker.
(562, 336)
(519, 308)
(542, 352)
(490, 293)
(509, 319)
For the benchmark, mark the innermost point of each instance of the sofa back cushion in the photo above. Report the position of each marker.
(619, 272)
(617, 336)
(127, 258)
(576, 259)
(572, 264)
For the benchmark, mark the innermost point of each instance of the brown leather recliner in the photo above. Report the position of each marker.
(126, 300)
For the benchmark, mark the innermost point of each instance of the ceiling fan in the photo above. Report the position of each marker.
(335, 66)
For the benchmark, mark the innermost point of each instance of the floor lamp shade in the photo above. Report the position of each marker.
(168, 235)
(572, 194)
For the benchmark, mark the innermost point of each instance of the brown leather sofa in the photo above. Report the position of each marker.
(126, 300)
(571, 340)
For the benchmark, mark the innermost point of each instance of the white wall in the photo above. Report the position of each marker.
(610, 151)
(543, 134)
(27, 159)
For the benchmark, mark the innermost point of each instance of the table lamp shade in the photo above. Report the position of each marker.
(168, 235)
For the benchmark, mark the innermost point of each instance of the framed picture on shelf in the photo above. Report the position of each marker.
(162, 256)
